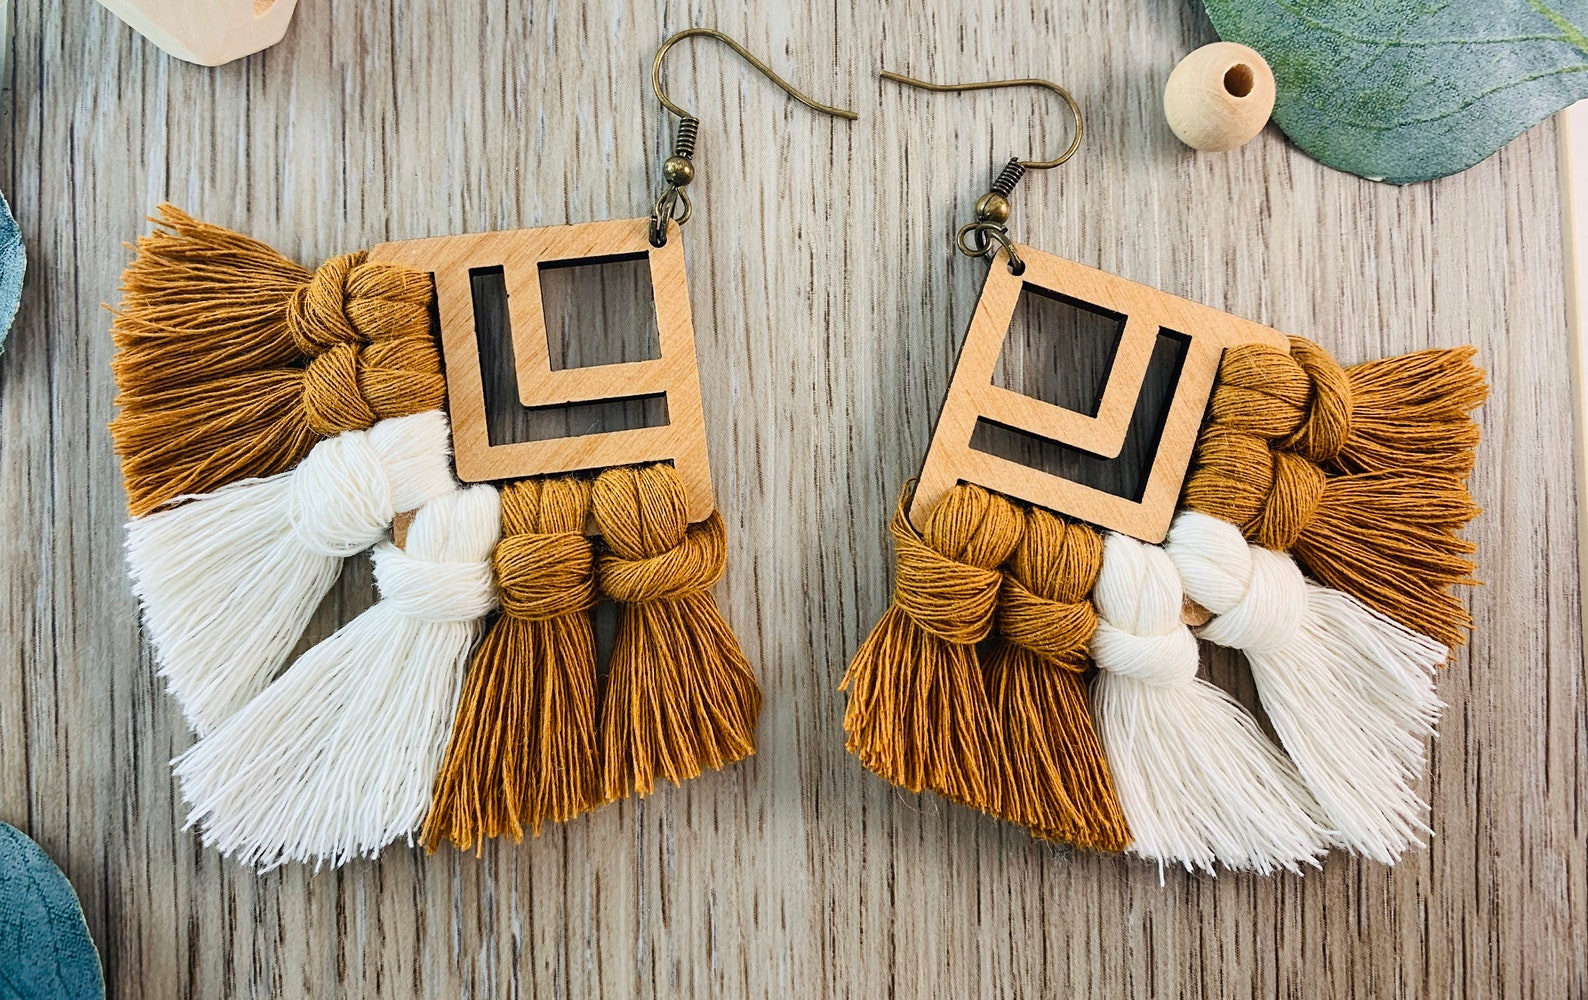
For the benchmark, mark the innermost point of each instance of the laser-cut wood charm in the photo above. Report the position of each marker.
(520, 254)
(972, 396)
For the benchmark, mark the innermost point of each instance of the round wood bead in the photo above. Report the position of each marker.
(1219, 97)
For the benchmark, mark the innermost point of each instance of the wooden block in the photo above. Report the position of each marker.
(1219, 96)
(520, 254)
(207, 32)
(950, 459)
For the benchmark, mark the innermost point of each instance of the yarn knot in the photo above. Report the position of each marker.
(693, 565)
(1290, 503)
(948, 580)
(952, 600)
(1044, 605)
(543, 576)
(317, 311)
(1257, 597)
(389, 302)
(1326, 416)
(1300, 400)
(1268, 616)
(1057, 631)
(1138, 599)
(1167, 660)
(430, 591)
(444, 574)
(340, 496)
(655, 554)
(333, 398)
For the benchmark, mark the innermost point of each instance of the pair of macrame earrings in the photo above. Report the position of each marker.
(275, 421)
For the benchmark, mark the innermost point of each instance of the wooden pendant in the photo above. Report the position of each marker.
(1146, 314)
(520, 254)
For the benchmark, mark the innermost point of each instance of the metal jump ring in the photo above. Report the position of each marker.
(666, 206)
(987, 234)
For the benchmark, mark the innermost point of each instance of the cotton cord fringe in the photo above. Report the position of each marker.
(1059, 783)
(229, 580)
(919, 714)
(1359, 472)
(337, 757)
(523, 747)
(680, 695)
(1199, 782)
(232, 361)
(1410, 413)
(1349, 692)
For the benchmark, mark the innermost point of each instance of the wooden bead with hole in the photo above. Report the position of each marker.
(1219, 97)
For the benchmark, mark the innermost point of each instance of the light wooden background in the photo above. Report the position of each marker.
(828, 304)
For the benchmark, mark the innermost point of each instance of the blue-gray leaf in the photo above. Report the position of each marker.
(45, 950)
(1408, 90)
(13, 261)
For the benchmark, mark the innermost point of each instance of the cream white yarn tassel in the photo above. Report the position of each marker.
(337, 757)
(1198, 781)
(1349, 692)
(229, 580)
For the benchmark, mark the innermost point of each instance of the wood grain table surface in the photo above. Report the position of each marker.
(829, 304)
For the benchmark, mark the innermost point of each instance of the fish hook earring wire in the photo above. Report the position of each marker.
(679, 169)
(990, 231)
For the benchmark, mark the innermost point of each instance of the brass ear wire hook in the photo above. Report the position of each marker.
(977, 239)
(679, 168)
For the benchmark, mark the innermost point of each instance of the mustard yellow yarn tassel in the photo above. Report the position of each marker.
(523, 750)
(233, 362)
(918, 711)
(680, 696)
(1059, 783)
(1410, 413)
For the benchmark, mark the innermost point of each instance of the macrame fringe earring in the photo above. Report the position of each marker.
(918, 710)
(1359, 472)
(1199, 782)
(680, 696)
(229, 580)
(1059, 783)
(1349, 692)
(523, 748)
(232, 361)
(337, 757)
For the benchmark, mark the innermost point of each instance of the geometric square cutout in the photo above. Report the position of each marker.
(591, 320)
(1059, 350)
(599, 312)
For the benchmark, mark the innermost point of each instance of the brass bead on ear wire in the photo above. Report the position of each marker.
(992, 207)
(678, 171)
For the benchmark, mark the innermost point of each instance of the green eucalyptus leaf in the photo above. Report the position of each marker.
(13, 261)
(1409, 90)
(45, 950)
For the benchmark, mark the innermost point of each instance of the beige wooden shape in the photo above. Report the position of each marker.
(207, 32)
(520, 253)
(950, 459)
